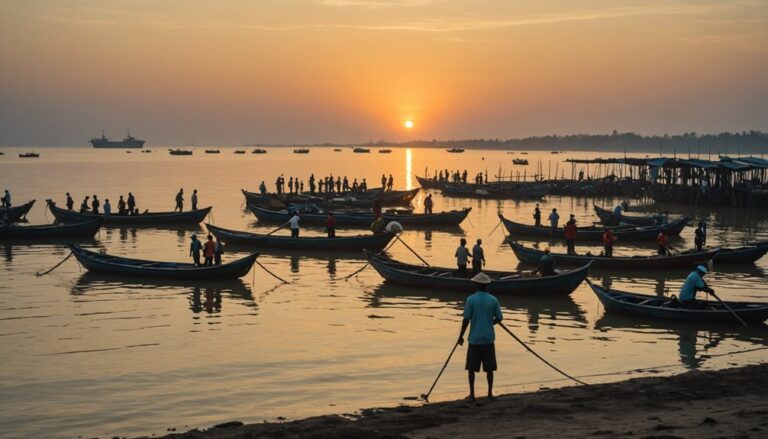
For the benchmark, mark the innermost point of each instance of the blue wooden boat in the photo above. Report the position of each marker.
(351, 199)
(340, 243)
(742, 255)
(52, 231)
(147, 218)
(593, 233)
(662, 308)
(564, 283)
(609, 219)
(364, 219)
(104, 263)
(653, 262)
(17, 213)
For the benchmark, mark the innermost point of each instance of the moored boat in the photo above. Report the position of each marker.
(364, 219)
(29, 155)
(263, 151)
(361, 150)
(147, 218)
(180, 152)
(351, 199)
(455, 150)
(609, 219)
(17, 213)
(655, 262)
(429, 183)
(104, 263)
(301, 151)
(593, 233)
(747, 254)
(339, 243)
(564, 283)
(52, 231)
(663, 308)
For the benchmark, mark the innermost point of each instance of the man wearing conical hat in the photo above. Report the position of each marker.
(481, 312)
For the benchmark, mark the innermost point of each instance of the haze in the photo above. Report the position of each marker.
(302, 71)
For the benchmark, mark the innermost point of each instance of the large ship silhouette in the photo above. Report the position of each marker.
(128, 142)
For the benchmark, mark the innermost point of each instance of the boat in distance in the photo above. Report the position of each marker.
(180, 151)
(657, 307)
(128, 142)
(456, 150)
(352, 199)
(683, 260)
(52, 231)
(563, 283)
(146, 218)
(339, 243)
(360, 150)
(29, 155)
(104, 263)
(364, 219)
(17, 213)
(593, 233)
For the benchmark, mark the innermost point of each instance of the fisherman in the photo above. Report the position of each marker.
(701, 237)
(617, 213)
(481, 312)
(390, 183)
(179, 200)
(464, 176)
(217, 251)
(70, 202)
(84, 204)
(478, 257)
(554, 218)
(355, 186)
(209, 251)
(107, 207)
(537, 216)
(383, 182)
(364, 186)
(277, 186)
(193, 199)
(120, 206)
(301, 187)
(290, 185)
(294, 222)
(570, 235)
(665, 217)
(377, 209)
(95, 204)
(194, 250)
(693, 283)
(6, 200)
(663, 242)
(428, 204)
(462, 257)
(345, 184)
(131, 203)
(312, 183)
(547, 265)
(581, 175)
(263, 188)
(608, 239)
(330, 225)
(338, 184)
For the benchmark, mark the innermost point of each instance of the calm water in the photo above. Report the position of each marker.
(91, 355)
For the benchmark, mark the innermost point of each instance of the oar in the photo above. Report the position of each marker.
(729, 309)
(425, 396)
(275, 230)
(412, 250)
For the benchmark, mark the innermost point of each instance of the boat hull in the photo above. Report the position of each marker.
(609, 219)
(159, 218)
(596, 233)
(17, 213)
(365, 219)
(341, 243)
(742, 255)
(56, 231)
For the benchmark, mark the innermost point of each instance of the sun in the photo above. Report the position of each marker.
(408, 124)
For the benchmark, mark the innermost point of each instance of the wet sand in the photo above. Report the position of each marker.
(726, 403)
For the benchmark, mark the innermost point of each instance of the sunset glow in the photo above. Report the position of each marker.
(408, 124)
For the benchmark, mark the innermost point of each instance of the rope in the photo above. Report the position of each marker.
(540, 357)
(273, 274)
(38, 274)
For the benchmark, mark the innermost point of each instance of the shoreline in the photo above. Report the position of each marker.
(723, 403)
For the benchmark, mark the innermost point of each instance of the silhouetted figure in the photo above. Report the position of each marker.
(194, 250)
(700, 236)
(294, 223)
(383, 182)
(84, 204)
(608, 239)
(209, 251)
(546, 265)
(290, 184)
(462, 257)
(70, 202)
(537, 216)
(179, 201)
(377, 209)
(554, 218)
(662, 242)
(478, 257)
(218, 251)
(263, 188)
(312, 183)
(107, 207)
(277, 186)
(390, 183)
(6, 200)
(570, 235)
(131, 203)
(193, 199)
(330, 225)
(120, 206)
(95, 204)
(428, 204)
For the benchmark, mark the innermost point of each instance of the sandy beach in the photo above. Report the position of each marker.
(726, 403)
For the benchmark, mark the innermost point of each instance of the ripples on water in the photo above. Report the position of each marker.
(87, 354)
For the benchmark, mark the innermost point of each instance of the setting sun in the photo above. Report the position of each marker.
(408, 124)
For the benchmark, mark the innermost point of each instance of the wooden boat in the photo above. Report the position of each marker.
(429, 183)
(608, 218)
(660, 308)
(564, 283)
(340, 243)
(301, 151)
(593, 233)
(655, 262)
(239, 151)
(385, 151)
(520, 161)
(264, 151)
(350, 199)
(212, 151)
(180, 152)
(455, 150)
(52, 231)
(361, 150)
(104, 263)
(29, 155)
(17, 213)
(336, 149)
(148, 218)
(364, 219)
(742, 255)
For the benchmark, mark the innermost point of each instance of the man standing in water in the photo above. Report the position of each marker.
(482, 310)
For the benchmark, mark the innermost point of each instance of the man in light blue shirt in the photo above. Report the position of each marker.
(694, 282)
(482, 310)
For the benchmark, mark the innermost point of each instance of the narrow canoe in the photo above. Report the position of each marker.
(340, 243)
(148, 218)
(596, 233)
(362, 199)
(564, 283)
(742, 255)
(609, 219)
(656, 307)
(494, 191)
(16, 213)
(684, 260)
(52, 231)
(364, 219)
(105, 263)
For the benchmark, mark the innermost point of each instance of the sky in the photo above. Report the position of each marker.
(229, 72)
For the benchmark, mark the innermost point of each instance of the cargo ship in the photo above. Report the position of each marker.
(128, 142)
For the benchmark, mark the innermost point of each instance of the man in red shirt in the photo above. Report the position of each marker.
(663, 242)
(209, 250)
(570, 235)
(330, 225)
(608, 239)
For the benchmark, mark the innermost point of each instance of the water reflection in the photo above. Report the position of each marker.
(210, 303)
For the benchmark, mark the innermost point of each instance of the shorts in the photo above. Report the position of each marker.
(478, 354)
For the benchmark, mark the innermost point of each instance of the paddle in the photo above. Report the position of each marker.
(276, 230)
(425, 396)
(729, 309)
(412, 250)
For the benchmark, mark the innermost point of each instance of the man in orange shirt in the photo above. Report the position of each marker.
(608, 240)
(209, 251)
(570, 235)
(663, 242)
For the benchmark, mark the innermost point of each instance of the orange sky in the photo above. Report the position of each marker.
(229, 72)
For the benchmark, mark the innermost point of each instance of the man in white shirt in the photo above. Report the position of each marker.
(294, 222)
